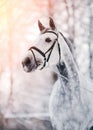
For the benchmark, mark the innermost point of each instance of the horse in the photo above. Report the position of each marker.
(70, 105)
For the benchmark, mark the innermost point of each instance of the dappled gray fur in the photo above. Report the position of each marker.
(70, 105)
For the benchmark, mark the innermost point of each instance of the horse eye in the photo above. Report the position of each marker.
(91, 128)
(48, 40)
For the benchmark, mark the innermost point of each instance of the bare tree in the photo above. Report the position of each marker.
(70, 9)
(10, 51)
(90, 38)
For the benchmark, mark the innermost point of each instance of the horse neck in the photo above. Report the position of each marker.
(67, 67)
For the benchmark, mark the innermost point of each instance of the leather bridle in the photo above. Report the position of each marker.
(46, 59)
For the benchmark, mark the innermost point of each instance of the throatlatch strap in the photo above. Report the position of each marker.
(59, 50)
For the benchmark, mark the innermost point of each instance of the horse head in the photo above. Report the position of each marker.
(46, 50)
(70, 106)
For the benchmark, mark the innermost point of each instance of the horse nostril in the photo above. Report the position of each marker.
(26, 62)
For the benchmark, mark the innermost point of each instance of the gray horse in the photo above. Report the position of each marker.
(71, 105)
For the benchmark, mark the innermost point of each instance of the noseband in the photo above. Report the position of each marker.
(46, 59)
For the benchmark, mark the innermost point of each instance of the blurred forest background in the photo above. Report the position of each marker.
(24, 97)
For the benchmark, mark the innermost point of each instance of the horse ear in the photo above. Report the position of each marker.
(41, 27)
(52, 24)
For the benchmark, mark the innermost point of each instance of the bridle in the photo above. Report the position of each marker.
(46, 59)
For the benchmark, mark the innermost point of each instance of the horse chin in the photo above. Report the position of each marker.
(30, 68)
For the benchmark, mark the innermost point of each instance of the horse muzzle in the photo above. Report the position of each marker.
(31, 63)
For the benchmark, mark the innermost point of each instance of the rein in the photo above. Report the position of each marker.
(46, 59)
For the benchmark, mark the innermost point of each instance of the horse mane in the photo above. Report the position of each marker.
(69, 43)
